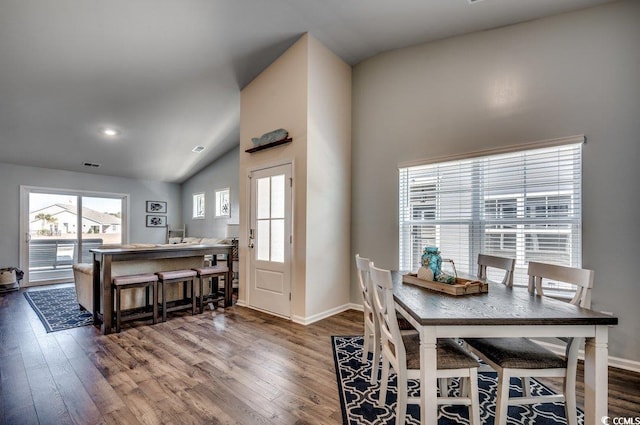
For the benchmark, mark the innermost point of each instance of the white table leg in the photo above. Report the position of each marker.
(595, 377)
(428, 372)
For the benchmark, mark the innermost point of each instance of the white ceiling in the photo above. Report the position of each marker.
(168, 73)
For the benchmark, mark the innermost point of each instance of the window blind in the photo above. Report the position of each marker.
(522, 204)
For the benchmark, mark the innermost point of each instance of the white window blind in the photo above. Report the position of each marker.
(524, 205)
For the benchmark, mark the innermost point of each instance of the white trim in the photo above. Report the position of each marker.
(618, 362)
(579, 138)
(317, 317)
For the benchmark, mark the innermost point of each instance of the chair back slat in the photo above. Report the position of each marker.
(502, 263)
(581, 278)
(364, 279)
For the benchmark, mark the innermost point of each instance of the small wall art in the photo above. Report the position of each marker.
(157, 207)
(156, 221)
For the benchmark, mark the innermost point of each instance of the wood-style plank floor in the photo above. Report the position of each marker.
(233, 366)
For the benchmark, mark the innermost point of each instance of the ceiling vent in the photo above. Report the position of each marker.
(197, 149)
(474, 1)
(91, 164)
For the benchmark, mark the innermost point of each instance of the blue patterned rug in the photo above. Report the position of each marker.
(58, 308)
(358, 398)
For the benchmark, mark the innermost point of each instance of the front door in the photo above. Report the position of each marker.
(270, 240)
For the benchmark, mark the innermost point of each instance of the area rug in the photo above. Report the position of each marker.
(58, 308)
(358, 397)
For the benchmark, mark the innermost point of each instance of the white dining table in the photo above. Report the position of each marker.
(503, 312)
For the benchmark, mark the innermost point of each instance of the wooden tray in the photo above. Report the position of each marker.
(461, 287)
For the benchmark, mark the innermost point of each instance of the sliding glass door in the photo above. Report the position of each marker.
(60, 227)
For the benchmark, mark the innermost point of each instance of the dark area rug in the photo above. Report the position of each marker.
(58, 308)
(358, 398)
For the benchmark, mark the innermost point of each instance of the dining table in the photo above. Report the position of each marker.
(503, 312)
(103, 258)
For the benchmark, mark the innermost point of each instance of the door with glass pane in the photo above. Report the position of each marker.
(270, 240)
(61, 227)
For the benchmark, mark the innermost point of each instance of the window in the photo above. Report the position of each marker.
(223, 207)
(198, 205)
(522, 204)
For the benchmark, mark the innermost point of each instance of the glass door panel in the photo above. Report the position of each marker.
(52, 236)
(101, 224)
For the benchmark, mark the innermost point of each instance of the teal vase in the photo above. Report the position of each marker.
(431, 258)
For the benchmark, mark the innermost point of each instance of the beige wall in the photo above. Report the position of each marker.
(277, 98)
(328, 181)
(307, 92)
(577, 73)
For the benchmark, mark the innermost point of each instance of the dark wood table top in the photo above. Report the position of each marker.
(161, 251)
(500, 306)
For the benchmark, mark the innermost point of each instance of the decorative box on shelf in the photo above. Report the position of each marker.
(461, 287)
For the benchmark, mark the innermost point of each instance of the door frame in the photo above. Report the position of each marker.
(26, 190)
(247, 222)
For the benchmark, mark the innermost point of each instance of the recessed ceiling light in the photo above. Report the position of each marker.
(110, 132)
(197, 149)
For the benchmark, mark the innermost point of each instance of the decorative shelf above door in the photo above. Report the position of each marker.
(269, 145)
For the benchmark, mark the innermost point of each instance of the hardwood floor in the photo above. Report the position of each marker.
(229, 366)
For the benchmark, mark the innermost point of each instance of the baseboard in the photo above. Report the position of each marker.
(316, 317)
(617, 362)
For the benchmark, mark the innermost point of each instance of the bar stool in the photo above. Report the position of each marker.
(177, 276)
(149, 282)
(209, 273)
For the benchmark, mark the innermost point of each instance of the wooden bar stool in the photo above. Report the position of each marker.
(210, 273)
(177, 276)
(148, 281)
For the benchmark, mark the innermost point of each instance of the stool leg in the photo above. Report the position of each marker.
(118, 310)
(164, 302)
(155, 302)
(201, 287)
(193, 297)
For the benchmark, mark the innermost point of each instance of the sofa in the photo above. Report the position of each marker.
(83, 274)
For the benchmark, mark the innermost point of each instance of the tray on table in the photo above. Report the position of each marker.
(461, 287)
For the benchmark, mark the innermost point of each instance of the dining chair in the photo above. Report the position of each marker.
(523, 358)
(491, 261)
(372, 340)
(371, 332)
(402, 353)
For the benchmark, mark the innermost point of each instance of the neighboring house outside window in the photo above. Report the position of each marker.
(524, 204)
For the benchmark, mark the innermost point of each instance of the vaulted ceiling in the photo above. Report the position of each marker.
(166, 75)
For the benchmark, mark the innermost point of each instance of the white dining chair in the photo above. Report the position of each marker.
(523, 358)
(402, 354)
(491, 261)
(371, 343)
(485, 263)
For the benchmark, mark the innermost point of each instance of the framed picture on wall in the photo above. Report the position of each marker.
(156, 221)
(223, 204)
(157, 207)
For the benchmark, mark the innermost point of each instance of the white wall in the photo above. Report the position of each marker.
(577, 73)
(140, 191)
(222, 173)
